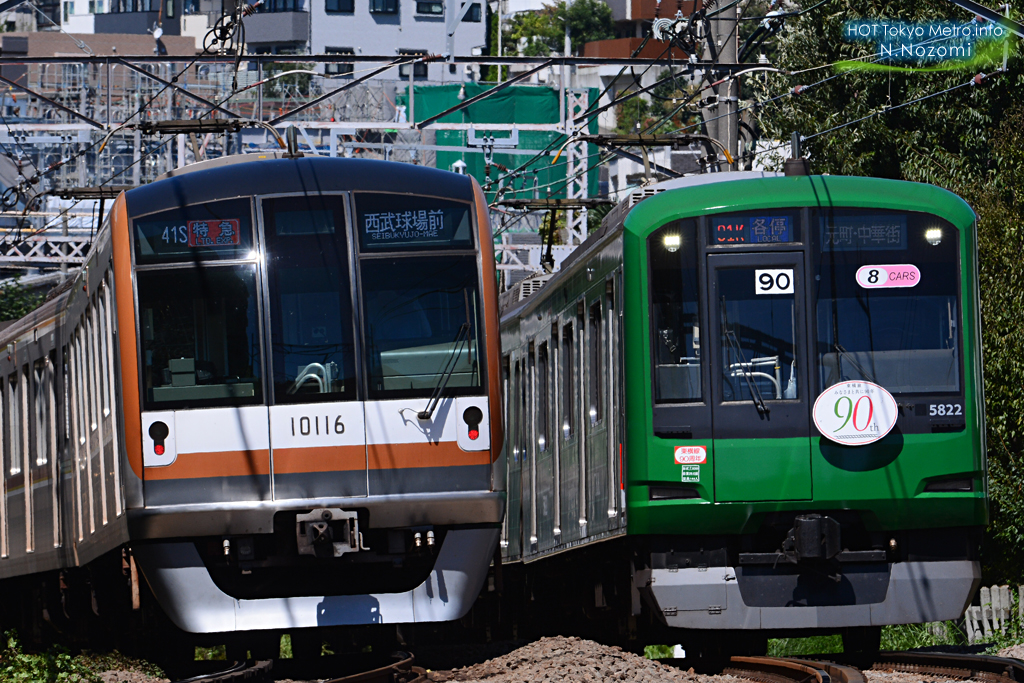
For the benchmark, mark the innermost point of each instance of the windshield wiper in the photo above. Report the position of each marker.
(446, 373)
(755, 393)
(843, 353)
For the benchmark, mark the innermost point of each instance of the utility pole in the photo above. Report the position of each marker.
(725, 126)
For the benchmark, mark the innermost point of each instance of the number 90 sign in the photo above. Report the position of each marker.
(855, 413)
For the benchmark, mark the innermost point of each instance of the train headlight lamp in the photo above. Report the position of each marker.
(933, 236)
(672, 242)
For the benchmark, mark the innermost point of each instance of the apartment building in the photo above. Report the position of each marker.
(290, 27)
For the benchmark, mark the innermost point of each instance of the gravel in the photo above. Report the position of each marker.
(901, 677)
(129, 677)
(572, 660)
(1016, 652)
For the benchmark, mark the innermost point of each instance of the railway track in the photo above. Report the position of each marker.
(821, 668)
(238, 672)
(955, 666)
(401, 671)
(791, 670)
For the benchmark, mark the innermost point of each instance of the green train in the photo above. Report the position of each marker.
(749, 405)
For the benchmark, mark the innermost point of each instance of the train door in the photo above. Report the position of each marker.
(759, 377)
(317, 432)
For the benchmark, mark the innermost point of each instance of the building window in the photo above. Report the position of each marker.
(169, 9)
(384, 6)
(339, 68)
(473, 14)
(281, 6)
(67, 11)
(340, 6)
(419, 69)
(429, 7)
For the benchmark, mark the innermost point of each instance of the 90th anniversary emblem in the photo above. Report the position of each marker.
(855, 413)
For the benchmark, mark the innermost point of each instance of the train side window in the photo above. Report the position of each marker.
(513, 414)
(14, 424)
(201, 232)
(40, 410)
(310, 304)
(568, 377)
(675, 313)
(200, 337)
(541, 386)
(506, 375)
(595, 344)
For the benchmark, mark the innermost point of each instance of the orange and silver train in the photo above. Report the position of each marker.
(271, 396)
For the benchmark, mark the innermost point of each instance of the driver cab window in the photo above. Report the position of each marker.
(675, 322)
(310, 304)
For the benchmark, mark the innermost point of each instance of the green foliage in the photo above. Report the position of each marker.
(55, 665)
(902, 637)
(815, 645)
(632, 116)
(292, 84)
(543, 32)
(210, 654)
(663, 111)
(658, 651)
(970, 141)
(16, 301)
(910, 636)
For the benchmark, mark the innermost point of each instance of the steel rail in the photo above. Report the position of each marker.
(778, 670)
(251, 672)
(401, 671)
(976, 667)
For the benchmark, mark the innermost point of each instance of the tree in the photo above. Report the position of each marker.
(664, 109)
(541, 33)
(16, 301)
(970, 141)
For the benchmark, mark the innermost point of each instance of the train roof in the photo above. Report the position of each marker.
(272, 174)
(770, 191)
(648, 208)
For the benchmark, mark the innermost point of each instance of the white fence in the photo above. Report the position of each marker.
(993, 613)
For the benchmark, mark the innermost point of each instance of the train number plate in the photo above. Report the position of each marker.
(773, 281)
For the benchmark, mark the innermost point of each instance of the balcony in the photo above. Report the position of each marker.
(277, 27)
(623, 48)
(643, 10)
(135, 22)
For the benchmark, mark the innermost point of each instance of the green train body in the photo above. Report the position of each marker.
(711, 501)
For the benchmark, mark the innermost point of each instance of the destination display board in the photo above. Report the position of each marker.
(725, 229)
(393, 222)
(863, 232)
(200, 232)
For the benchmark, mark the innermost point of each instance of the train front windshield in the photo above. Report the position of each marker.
(205, 301)
(886, 286)
(881, 299)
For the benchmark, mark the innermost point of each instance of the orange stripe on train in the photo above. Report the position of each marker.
(323, 459)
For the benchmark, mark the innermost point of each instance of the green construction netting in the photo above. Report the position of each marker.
(522, 104)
